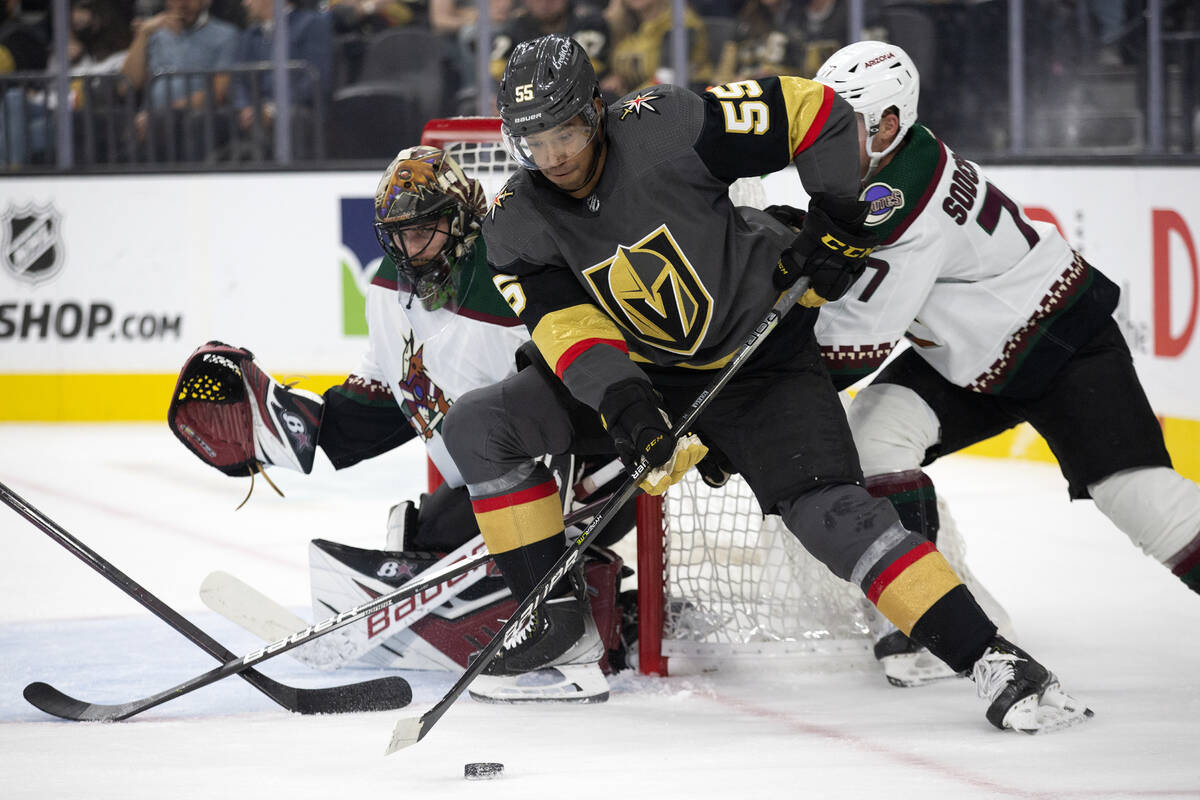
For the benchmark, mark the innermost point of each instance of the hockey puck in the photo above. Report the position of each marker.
(483, 771)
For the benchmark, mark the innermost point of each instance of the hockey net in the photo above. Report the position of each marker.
(716, 578)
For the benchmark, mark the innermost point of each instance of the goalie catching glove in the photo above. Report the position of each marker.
(831, 250)
(236, 417)
(640, 429)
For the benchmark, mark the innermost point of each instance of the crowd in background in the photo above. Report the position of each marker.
(180, 67)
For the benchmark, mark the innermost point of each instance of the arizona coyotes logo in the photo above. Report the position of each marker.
(423, 399)
(651, 289)
(32, 243)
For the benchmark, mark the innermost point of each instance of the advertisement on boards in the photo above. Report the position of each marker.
(103, 278)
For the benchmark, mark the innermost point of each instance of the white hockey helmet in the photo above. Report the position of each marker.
(873, 77)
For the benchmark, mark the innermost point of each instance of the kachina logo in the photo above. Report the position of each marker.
(360, 258)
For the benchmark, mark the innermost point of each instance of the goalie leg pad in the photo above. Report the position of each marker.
(344, 576)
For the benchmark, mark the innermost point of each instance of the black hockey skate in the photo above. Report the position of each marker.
(1024, 696)
(555, 657)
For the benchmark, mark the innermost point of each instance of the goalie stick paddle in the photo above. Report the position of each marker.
(252, 610)
(410, 730)
(374, 695)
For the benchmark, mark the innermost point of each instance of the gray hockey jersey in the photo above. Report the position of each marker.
(657, 266)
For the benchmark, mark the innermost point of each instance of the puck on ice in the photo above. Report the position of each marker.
(482, 771)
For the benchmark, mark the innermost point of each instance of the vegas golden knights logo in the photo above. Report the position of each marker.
(651, 289)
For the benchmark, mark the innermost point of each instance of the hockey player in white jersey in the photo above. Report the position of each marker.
(1006, 324)
(438, 328)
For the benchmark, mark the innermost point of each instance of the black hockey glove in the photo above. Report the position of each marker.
(831, 250)
(640, 429)
(789, 215)
(715, 469)
(637, 423)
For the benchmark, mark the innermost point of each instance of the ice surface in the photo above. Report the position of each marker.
(1122, 634)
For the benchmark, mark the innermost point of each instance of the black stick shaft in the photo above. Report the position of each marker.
(120, 579)
(391, 692)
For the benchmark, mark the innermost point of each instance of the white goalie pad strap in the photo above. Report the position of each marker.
(1156, 507)
(286, 421)
(892, 427)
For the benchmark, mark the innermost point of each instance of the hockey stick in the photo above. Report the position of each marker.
(245, 606)
(52, 701)
(373, 695)
(410, 730)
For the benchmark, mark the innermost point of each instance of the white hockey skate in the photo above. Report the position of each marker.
(906, 663)
(1023, 695)
(555, 658)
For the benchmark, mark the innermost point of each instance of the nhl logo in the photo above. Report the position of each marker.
(32, 248)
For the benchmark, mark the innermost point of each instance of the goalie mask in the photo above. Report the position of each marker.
(873, 77)
(427, 214)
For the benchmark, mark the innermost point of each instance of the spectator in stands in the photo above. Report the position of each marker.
(371, 16)
(1108, 23)
(449, 17)
(24, 38)
(182, 38)
(642, 51)
(98, 39)
(465, 44)
(769, 40)
(310, 39)
(537, 18)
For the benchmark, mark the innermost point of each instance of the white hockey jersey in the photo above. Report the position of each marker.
(961, 272)
(428, 359)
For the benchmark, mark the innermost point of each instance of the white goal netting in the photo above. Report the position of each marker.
(736, 582)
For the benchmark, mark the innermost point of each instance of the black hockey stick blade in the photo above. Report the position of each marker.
(380, 694)
(373, 695)
(409, 730)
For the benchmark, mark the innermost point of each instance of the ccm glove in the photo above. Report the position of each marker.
(640, 429)
(831, 250)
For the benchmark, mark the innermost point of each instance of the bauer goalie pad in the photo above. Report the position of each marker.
(455, 623)
(236, 417)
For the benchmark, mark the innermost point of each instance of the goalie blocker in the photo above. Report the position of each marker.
(237, 418)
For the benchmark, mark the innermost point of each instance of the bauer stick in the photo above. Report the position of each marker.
(374, 695)
(410, 730)
(249, 608)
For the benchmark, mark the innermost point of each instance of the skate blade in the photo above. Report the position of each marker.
(1054, 711)
(907, 670)
(579, 683)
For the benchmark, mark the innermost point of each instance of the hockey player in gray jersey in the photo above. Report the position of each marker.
(620, 250)
(1007, 323)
